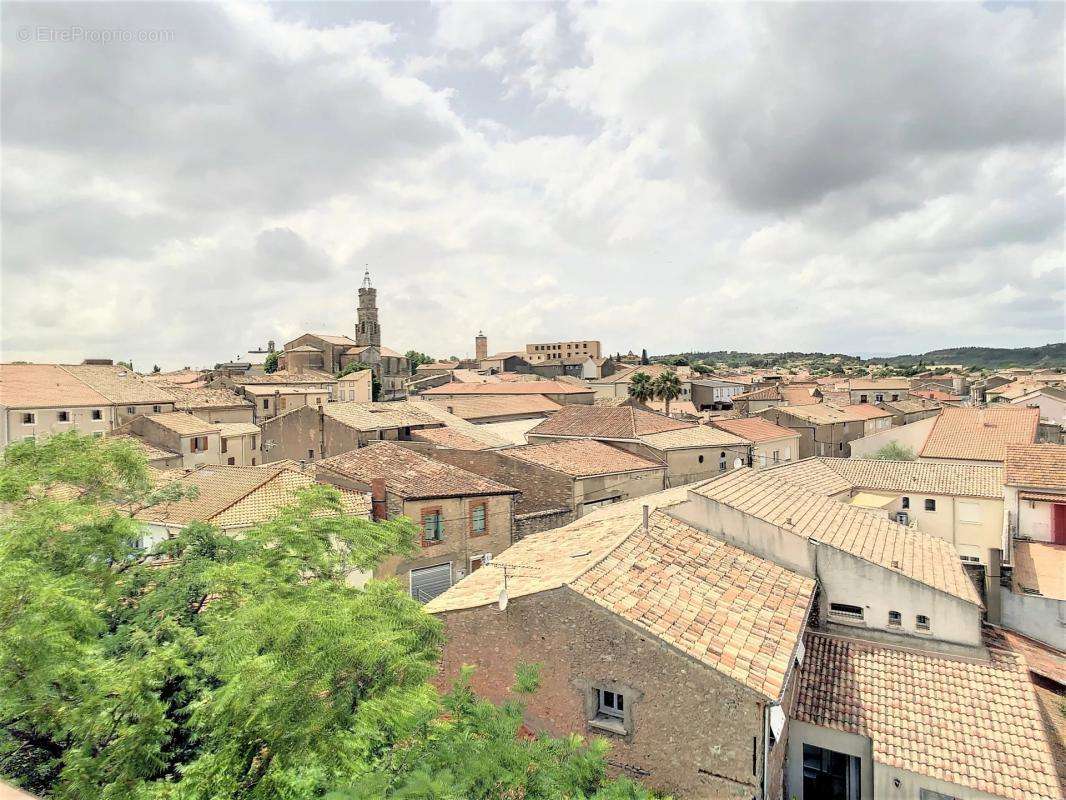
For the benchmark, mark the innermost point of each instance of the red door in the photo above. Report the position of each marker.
(1058, 523)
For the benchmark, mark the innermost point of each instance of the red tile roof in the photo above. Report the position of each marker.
(583, 458)
(754, 429)
(980, 434)
(1038, 466)
(605, 422)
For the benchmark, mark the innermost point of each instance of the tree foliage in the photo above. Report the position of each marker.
(667, 387)
(417, 359)
(893, 451)
(270, 363)
(214, 667)
(641, 387)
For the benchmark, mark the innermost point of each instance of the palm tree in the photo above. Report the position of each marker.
(667, 387)
(641, 388)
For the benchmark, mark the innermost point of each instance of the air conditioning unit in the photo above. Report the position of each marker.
(903, 518)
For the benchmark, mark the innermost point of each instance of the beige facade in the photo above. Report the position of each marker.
(775, 451)
(973, 524)
(270, 401)
(40, 423)
(911, 436)
(594, 491)
(545, 351)
(239, 445)
(357, 386)
(197, 442)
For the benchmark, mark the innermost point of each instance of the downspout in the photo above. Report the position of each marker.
(321, 432)
(765, 748)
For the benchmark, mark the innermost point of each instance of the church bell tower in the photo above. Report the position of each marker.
(367, 330)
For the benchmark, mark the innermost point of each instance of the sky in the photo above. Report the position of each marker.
(184, 181)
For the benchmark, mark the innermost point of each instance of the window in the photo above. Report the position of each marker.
(905, 502)
(253, 462)
(721, 462)
(930, 505)
(266, 402)
(98, 414)
(840, 447)
(63, 416)
(969, 512)
(864, 398)
(225, 445)
(198, 444)
(351, 394)
(845, 611)
(895, 397)
(131, 409)
(701, 459)
(895, 619)
(318, 400)
(880, 398)
(29, 418)
(970, 559)
(610, 704)
(921, 622)
(156, 409)
(432, 526)
(777, 456)
(231, 461)
(310, 455)
(253, 443)
(477, 519)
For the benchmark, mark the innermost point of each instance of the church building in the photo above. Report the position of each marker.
(332, 353)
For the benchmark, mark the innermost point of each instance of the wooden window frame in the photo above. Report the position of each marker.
(482, 504)
(431, 511)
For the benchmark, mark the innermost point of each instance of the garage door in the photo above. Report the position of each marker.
(427, 583)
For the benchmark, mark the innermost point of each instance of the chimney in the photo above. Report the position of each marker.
(378, 510)
(645, 519)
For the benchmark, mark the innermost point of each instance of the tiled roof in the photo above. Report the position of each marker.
(409, 474)
(516, 387)
(513, 431)
(732, 611)
(388, 352)
(651, 370)
(1040, 466)
(866, 411)
(916, 555)
(263, 502)
(765, 393)
(818, 413)
(477, 433)
(332, 339)
(449, 437)
(44, 386)
(582, 458)
(974, 723)
(696, 436)
(269, 391)
(151, 452)
(305, 348)
(1056, 392)
(754, 429)
(118, 384)
(183, 423)
(800, 395)
(489, 406)
(284, 377)
(188, 398)
(911, 405)
(228, 429)
(217, 489)
(379, 416)
(980, 434)
(1040, 567)
(604, 422)
(833, 475)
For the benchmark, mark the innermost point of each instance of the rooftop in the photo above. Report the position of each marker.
(449, 437)
(651, 370)
(606, 422)
(228, 429)
(498, 405)
(476, 433)
(267, 390)
(183, 423)
(833, 475)
(515, 387)
(765, 393)
(971, 722)
(980, 434)
(409, 474)
(866, 411)
(871, 537)
(44, 386)
(754, 429)
(732, 611)
(582, 458)
(380, 416)
(874, 384)
(283, 377)
(696, 436)
(1040, 568)
(118, 384)
(1039, 466)
(188, 397)
(151, 452)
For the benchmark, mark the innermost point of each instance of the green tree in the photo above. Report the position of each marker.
(667, 387)
(893, 451)
(210, 667)
(270, 363)
(641, 387)
(416, 359)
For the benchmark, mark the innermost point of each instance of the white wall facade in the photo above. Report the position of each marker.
(911, 436)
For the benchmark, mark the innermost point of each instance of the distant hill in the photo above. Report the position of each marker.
(1048, 355)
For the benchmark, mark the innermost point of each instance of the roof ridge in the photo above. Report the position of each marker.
(276, 471)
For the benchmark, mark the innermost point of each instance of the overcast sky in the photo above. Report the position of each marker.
(858, 178)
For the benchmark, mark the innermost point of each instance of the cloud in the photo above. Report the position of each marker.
(668, 176)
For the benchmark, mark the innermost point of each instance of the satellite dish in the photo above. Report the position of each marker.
(503, 600)
(738, 463)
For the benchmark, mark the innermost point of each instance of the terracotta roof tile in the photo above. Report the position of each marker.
(410, 474)
(604, 422)
(183, 423)
(263, 502)
(517, 387)
(974, 723)
(282, 377)
(755, 429)
(873, 384)
(1039, 466)
(449, 437)
(980, 434)
(188, 398)
(833, 475)
(44, 386)
(909, 552)
(151, 452)
(582, 458)
(766, 393)
(379, 416)
(696, 436)
(118, 384)
(480, 407)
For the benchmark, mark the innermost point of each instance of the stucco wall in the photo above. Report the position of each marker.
(624, 486)
(1042, 618)
(240, 414)
(911, 436)
(46, 422)
(693, 732)
(787, 449)
(970, 539)
(851, 744)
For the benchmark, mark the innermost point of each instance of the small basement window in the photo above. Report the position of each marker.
(930, 505)
(845, 611)
(895, 619)
(921, 622)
